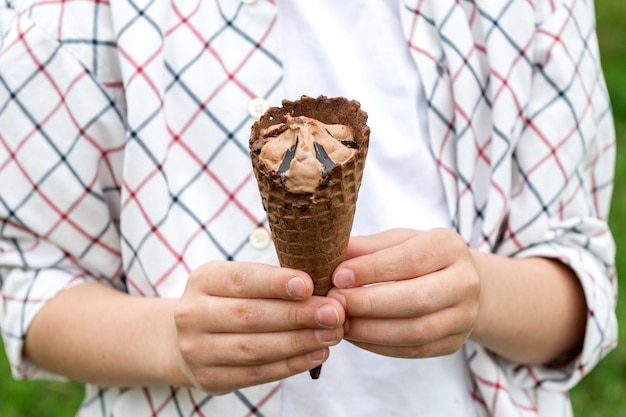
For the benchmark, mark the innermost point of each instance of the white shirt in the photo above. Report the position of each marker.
(320, 57)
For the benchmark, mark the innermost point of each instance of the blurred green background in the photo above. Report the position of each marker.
(603, 392)
(600, 394)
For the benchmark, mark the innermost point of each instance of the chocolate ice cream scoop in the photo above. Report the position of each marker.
(303, 151)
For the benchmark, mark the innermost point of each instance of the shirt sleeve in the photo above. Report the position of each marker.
(61, 148)
(563, 182)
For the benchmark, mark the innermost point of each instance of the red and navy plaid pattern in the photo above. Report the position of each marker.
(123, 159)
(526, 150)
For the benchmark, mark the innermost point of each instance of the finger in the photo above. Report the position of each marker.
(255, 316)
(410, 332)
(365, 245)
(240, 315)
(225, 379)
(443, 347)
(237, 349)
(398, 299)
(251, 280)
(419, 255)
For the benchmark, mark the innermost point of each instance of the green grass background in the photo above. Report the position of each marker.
(601, 394)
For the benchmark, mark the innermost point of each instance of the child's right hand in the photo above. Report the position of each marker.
(243, 324)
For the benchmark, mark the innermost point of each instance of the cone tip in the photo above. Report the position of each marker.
(315, 372)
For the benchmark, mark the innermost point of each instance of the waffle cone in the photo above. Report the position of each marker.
(311, 231)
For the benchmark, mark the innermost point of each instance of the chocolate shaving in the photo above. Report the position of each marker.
(289, 155)
(322, 156)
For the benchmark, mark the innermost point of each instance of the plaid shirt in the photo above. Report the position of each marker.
(123, 159)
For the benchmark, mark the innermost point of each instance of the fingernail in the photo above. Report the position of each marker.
(328, 316)
(317, 355)
(296, 287)
(337, 295)
(344, 278)
(326, 335)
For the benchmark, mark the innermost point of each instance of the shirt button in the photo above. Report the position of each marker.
(257, 107)
(259, 238)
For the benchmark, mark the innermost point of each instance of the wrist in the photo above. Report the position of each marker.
(519, 317)
(485, 309)
(175, 370)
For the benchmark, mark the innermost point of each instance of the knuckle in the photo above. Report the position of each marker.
(298, 345)
(381, 271)
(453, 344)
(249, 352)
(470, 287)
(295, 365)
(296, 316)
(368, 304)
(254, 374)
(249, 315)
(237, 281)
(475, 283)
(418, 255)
(452, 241)
(194, 276)
(452, 237)
(426, 331)
(193, 352)
(466, 321)
(420, 302)
(413, 306)
(208, 268)
(183, 315)
(417, 351)
(444, 234)
(186, 347)
(415, 333)
(214, 382)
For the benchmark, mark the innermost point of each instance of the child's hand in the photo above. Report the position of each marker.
(427, 300)
(242, 324)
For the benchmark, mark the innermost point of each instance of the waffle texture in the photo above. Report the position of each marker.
(311, 231)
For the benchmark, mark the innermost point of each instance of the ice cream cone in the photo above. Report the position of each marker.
(311, 229)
